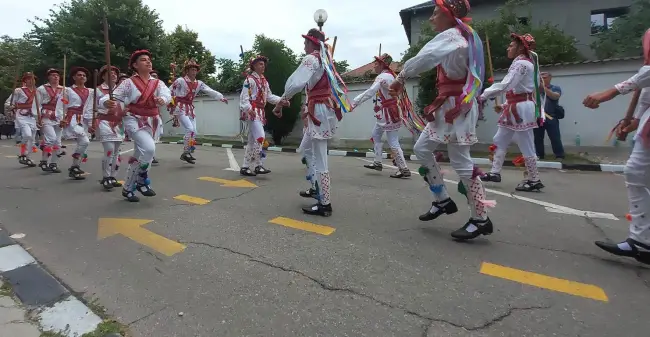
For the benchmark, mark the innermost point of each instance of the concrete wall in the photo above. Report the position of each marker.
(572, 16)
(577, 81)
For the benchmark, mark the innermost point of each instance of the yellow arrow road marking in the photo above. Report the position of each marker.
(11, 156)
(230, 183)
(191, 199)
(132, 229)
(305, 226)
(546, 282)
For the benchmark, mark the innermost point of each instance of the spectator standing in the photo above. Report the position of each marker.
(551, 126)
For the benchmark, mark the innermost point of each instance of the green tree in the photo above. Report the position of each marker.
(553, 46)
(623, 38)
(341, 66)
(17, 56)
(184, 44)
(76, 29)
(282, 63)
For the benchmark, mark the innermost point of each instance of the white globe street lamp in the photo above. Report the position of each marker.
(320, 16)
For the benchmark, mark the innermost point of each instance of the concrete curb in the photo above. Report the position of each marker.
(477, 161)
(54, 307)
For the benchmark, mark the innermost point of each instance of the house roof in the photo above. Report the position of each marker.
(369, 68)
(407, 13)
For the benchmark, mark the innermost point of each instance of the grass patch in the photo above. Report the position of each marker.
(107, 327)
(102, 330)
(5, 289)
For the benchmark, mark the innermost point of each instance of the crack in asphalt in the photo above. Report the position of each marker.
(235, 196)
(325, 286)
(593, 224)
(146, 316)
(22, 188)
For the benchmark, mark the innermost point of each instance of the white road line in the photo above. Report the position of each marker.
(547, 205)
(231, 161)
(126, 151)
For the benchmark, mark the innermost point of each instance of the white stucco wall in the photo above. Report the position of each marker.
(577, 81)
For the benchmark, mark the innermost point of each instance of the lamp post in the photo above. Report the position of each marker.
(320, 16)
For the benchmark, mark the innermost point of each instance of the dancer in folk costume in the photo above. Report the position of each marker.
(23, 102)
(49, 93)
(388, 117)
(107, 127)
(69, 109)
(457, 52)
(137, 101)
(521, 112)
(184, 90)
(317, 74)
(254, 96)
(159, 131)
(637, 168)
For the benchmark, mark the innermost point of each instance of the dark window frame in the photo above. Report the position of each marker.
(608, 13)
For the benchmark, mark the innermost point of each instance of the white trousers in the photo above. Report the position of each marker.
(637, 180)
(27, 136)
(81, 137)
(51, 143)
(462, 163)
(316, 150)
(308, 159)
(111, 160)
(144, 149)
(254, 147)
(189, 124)
(525, 141)
(393, 143)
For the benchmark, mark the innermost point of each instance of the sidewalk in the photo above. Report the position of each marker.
(13, 317)
(32, 300)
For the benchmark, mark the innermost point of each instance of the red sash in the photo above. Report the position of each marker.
(49, 108)
(321, 93)
(187, 101)
(146, 106)
(78, 110)
(259, 102)
(28, 104)
(447, 88)
(510, 109)
(389, 106)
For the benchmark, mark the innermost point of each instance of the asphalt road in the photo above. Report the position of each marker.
(381, 272)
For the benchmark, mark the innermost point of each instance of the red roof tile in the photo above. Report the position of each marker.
(361, 71)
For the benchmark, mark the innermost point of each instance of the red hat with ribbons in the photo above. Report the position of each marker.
(456, 9)
(136, 54)
(526, 40)
(385, 60)
(75, 70)
(191, 63)
(103, 69)
(316, 36)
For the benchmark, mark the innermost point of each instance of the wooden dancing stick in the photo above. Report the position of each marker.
(490, 68)
(334, 47)
(379, 50)
(95, 75)
(107, 51)
(38, 109)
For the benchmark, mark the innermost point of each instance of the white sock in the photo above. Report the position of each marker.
(624, 246)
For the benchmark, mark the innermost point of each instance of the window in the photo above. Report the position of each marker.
(602, 19)
(523, 20)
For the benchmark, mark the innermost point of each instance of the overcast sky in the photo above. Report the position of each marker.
(361, 25)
